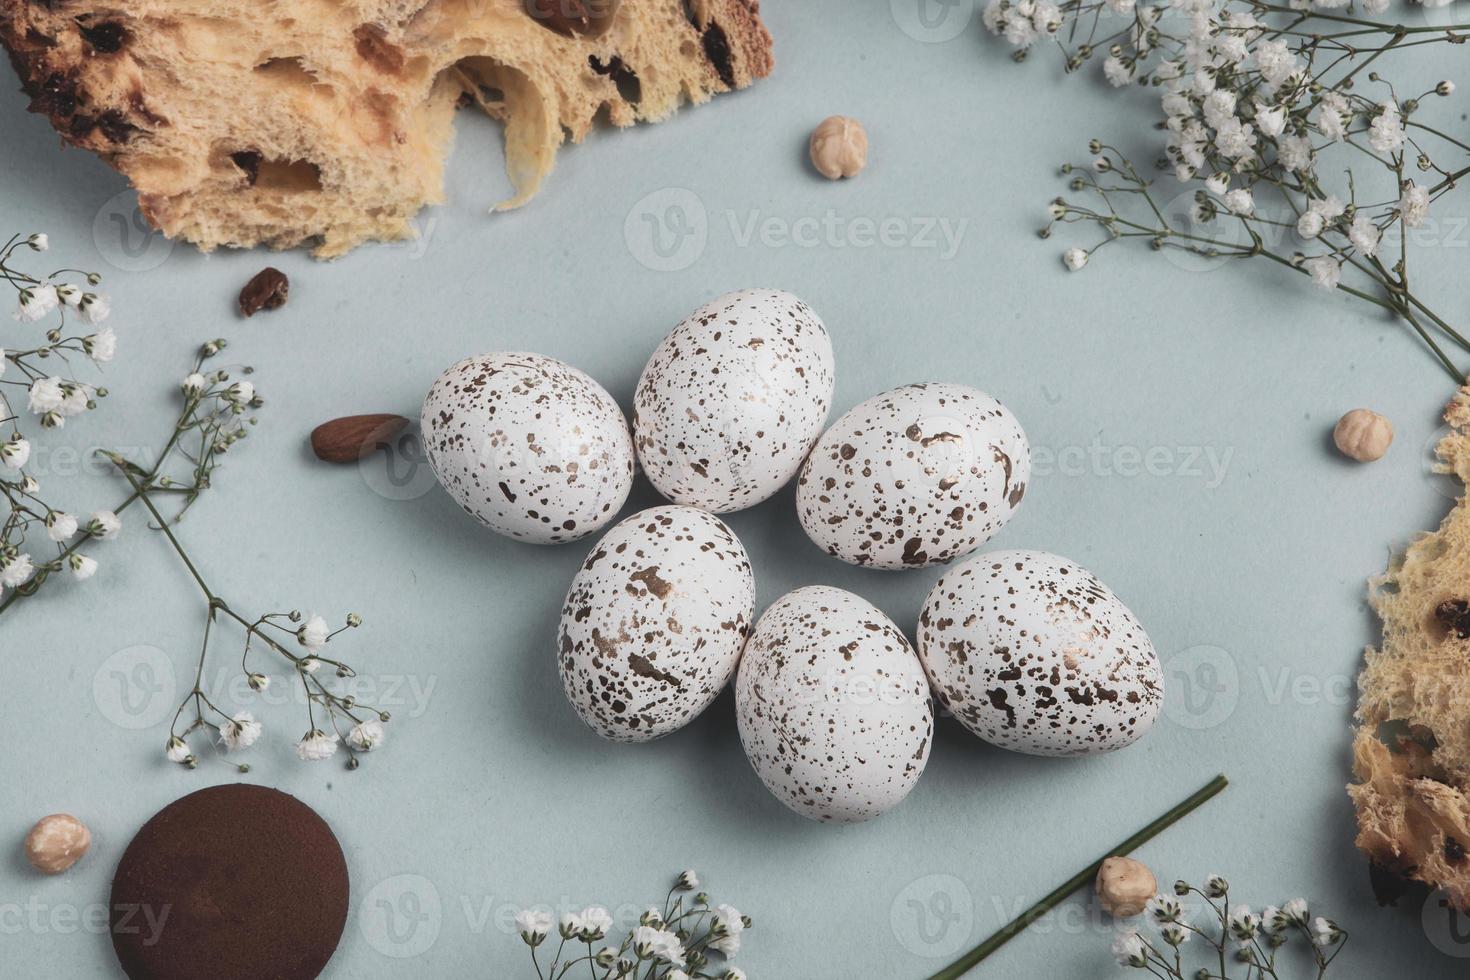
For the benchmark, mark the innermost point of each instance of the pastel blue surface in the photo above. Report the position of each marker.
(1180, 418)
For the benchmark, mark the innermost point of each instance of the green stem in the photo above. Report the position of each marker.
(1019, 924)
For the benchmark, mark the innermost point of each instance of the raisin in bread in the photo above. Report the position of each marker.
(326, 122)
(1411, 750)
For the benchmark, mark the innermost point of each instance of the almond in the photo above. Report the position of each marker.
(353, 437)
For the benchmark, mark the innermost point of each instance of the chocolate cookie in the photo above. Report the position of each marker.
(232, 883)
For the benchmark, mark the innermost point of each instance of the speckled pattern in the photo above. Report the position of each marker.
(1032, 653)
(916, 476)
(833, 707)
(733, 399)
(654, 623)
(533, 448)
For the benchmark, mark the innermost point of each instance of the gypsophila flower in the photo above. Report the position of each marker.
(316, 746)
(46, 395)
(1216, 886)
(569, 925)
(104, 525)
(101, 346)
(688, 881)
(734, 973)
(69, 293)
(1244, 924)
(36, 302)
(534, 926)
(1074, 259)
(1326, 272)
(1271, 121)
(1310, 224)
(1296, 911)
(309, 665)
(595, 921)
(1117, 71)
(39, 242)
(177, 750)
(193, 384)
(1386, 133)
(1364, 235)
(1294, 153)
(1414, 204)
(259, 683)
(366, 736)
(1174, 934)
(1128, 949)
(239, 732)
(15, 571)
(313, 635)
(82, 567)
(60, 527)
(15, 453)
(1325, 932)
(1162, 908)
(239, 393)
(1240, 201)
(93, 308)
(728, 924)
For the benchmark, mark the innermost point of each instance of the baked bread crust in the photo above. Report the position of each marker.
(326, 122)
(1411, 749)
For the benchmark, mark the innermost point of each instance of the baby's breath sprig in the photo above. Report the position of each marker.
(41, 371)
(1233, 937)
(673, 942)
(1296, 152)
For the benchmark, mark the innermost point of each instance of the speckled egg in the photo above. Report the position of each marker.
(833, 707)
(1032, 653)
(733, 399)
(916, 476)
(654, 623)
(532, 448)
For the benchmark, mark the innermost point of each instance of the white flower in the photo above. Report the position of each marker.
(69, 293)
(309, 665)
(1414, 204)
(1309, 225)
(36, 302)
(1236, 139)
(1177, 105)
(596, 921)
(1219, 108)
(1074, 258)
(16, 572)
(1216, 886)
(1445, 87)
(1332, 116)
(992, 15)
(82, 567)
(1128, 949)
(1163, 908)
(1240, 201)
(1296, 910)
(652, 943)
(1326, 272)
(533, 925)
(240, 732)
(366, 736)
(93, 308)
(1329, 207)
(193, 384)
(1175, 935)
(60, 527)
(313, 634)
(734, 973)
(76, 397)
(1244, 924)
(104, 524)
(677, 975)
(1168, 70)
(46, 395)
(1276, 61)
(259, 683)
(688, 881)
(39, 242)
(1018, 29)
(1364, 234)
(100, 346)
(1117, 72)
(1270, 120)
(727, 926)
(1295, 153)
(15, 453)
(316, 745)
(1047, 17)
(177, 750)
(240, 392)
(1325, 931)
(1218, 183)
(1386, 132)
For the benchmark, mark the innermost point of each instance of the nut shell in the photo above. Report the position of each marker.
(56, 843)
(1124, 887)
(1363, 435)
(839, 147)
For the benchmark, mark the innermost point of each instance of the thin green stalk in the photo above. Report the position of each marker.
(1019, 924)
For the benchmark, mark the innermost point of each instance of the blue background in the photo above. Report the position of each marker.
(1244, 546)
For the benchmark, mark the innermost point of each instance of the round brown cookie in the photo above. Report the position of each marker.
(233, 882)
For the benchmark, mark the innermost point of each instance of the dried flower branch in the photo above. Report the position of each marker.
(1264, 111)
(672, 943)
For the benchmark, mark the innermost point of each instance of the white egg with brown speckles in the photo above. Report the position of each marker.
(654, 623)
(916, 476)
(733, 399)
(1032, 653)
(530, 447)
(833, 707)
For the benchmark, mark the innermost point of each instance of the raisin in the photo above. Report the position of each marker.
(717, 50)
(105, 38)
(248, 161)
(1454, 614)
(266, 291)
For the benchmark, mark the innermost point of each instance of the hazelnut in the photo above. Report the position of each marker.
(839, 147)
(57, 842)
(1124, 886)
(1363, 435)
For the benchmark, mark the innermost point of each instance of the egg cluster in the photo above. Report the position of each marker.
(835, 707)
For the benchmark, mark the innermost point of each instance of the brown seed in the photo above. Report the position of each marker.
(267, 291)
(1124, 886)
(349, 439)
(1363, 435)
(56, 843)
(574, 18)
